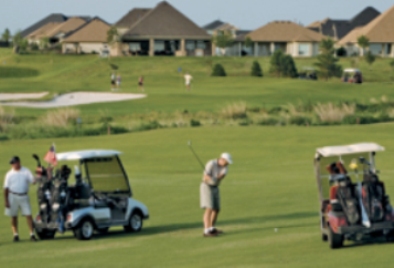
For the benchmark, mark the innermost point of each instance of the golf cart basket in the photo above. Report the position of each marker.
(351, 213)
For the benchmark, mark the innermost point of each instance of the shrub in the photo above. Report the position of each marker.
(218, 70)
(341, 52)
(195, 123)
(301, 120)
(6, 118)
(234, 111)
(330, 113)
(61, 118)
(256, 69)
(282, 65)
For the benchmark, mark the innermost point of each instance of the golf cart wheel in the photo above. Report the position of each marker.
(135, 223)
(324, 237)
(103, 230)
(85, 230)
(335, 240)
(46, 234)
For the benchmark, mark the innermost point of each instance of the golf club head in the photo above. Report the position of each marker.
(37, 159)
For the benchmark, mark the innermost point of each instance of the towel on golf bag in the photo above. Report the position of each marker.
(347, 198)
(373, 196)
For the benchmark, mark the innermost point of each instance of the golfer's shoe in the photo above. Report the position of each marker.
(33, 238)
(210, 234)
(16, 238)
(217, 231)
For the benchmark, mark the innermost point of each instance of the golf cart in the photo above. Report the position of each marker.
(308, 73)
(351, 209)
(100, 198)
(353, 76)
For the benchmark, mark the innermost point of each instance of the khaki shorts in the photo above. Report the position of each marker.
(18, 203)
(209, 197)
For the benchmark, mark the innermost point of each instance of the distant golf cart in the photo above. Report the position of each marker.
(353, 76)
(353, 205)
(308, 73)
(100, 198)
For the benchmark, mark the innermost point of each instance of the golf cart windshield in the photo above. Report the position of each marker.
(106, 175)
(347, 155)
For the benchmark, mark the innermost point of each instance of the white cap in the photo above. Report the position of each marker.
(227, 157)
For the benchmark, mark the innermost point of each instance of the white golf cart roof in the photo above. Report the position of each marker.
(349, 149)
(88, 154)
(352, 70)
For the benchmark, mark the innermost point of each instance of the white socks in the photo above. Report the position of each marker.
(208, 230)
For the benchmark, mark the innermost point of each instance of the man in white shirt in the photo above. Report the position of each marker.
(188, 81)
(214, 173)
(16, 189)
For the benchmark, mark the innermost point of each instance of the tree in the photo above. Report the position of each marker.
(6, 36)
(248, 42)
(282, 65)
(223, 41)
(112, 35)
(327, 63)
(256, 69)
(392, 68)
(20, 44)
(369, 58)
(218, 70)
(44, 43)
(363, 42)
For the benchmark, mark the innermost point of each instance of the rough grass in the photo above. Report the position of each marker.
(271, 185)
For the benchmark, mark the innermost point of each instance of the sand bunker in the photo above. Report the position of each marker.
(20, 96)
(77, 98)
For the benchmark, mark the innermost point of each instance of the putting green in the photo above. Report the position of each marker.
(271, 185)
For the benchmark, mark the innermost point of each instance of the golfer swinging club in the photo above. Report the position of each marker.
(214, 173)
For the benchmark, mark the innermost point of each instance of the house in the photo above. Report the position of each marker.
(52, 18)
(293, 39)
(55, 31)
(162, 30)
(219, 27)
(380, 34)
(337, 29)
(89, 38)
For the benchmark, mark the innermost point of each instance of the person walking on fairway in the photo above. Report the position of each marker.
(141, 83)
(118, 82)
(214, 173)
(16, 189)
(113, 81)
(188, 81)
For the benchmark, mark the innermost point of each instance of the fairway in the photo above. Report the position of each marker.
(271, 185)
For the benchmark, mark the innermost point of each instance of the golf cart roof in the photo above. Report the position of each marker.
(348, 149)
(352, 70)
(87, 154)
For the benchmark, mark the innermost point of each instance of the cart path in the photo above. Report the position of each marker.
(21, 96)
(77, 98)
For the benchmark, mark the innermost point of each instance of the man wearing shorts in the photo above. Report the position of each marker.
(188, 81)
(214, 173)
(16, 189)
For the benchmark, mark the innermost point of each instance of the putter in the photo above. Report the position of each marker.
(364, 216)
(189, 143)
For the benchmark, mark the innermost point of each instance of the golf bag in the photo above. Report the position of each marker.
(374, 197)
(59, 197)
(44, 198)
(347, 198)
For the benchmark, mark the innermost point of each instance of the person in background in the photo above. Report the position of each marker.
(188, 81)
(113, 81)
(118, 81)
(16, 189)
(141, 83)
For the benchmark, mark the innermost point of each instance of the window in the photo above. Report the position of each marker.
(135, 46)
(190, 45)
(304, 49)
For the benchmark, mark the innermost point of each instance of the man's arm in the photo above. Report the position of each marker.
(6, 192)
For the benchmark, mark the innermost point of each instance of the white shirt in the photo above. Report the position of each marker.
(188, 78)
(18, 181)
(213, 170)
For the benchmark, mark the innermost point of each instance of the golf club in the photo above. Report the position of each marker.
(189, 143)
(364, 216)
(37, 159)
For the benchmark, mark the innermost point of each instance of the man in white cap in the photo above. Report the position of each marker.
(214, 173)
(16, 189)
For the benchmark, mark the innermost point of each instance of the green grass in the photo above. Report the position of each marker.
(60, 74)
(271, 185)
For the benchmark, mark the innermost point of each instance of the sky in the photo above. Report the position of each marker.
(246, 14)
